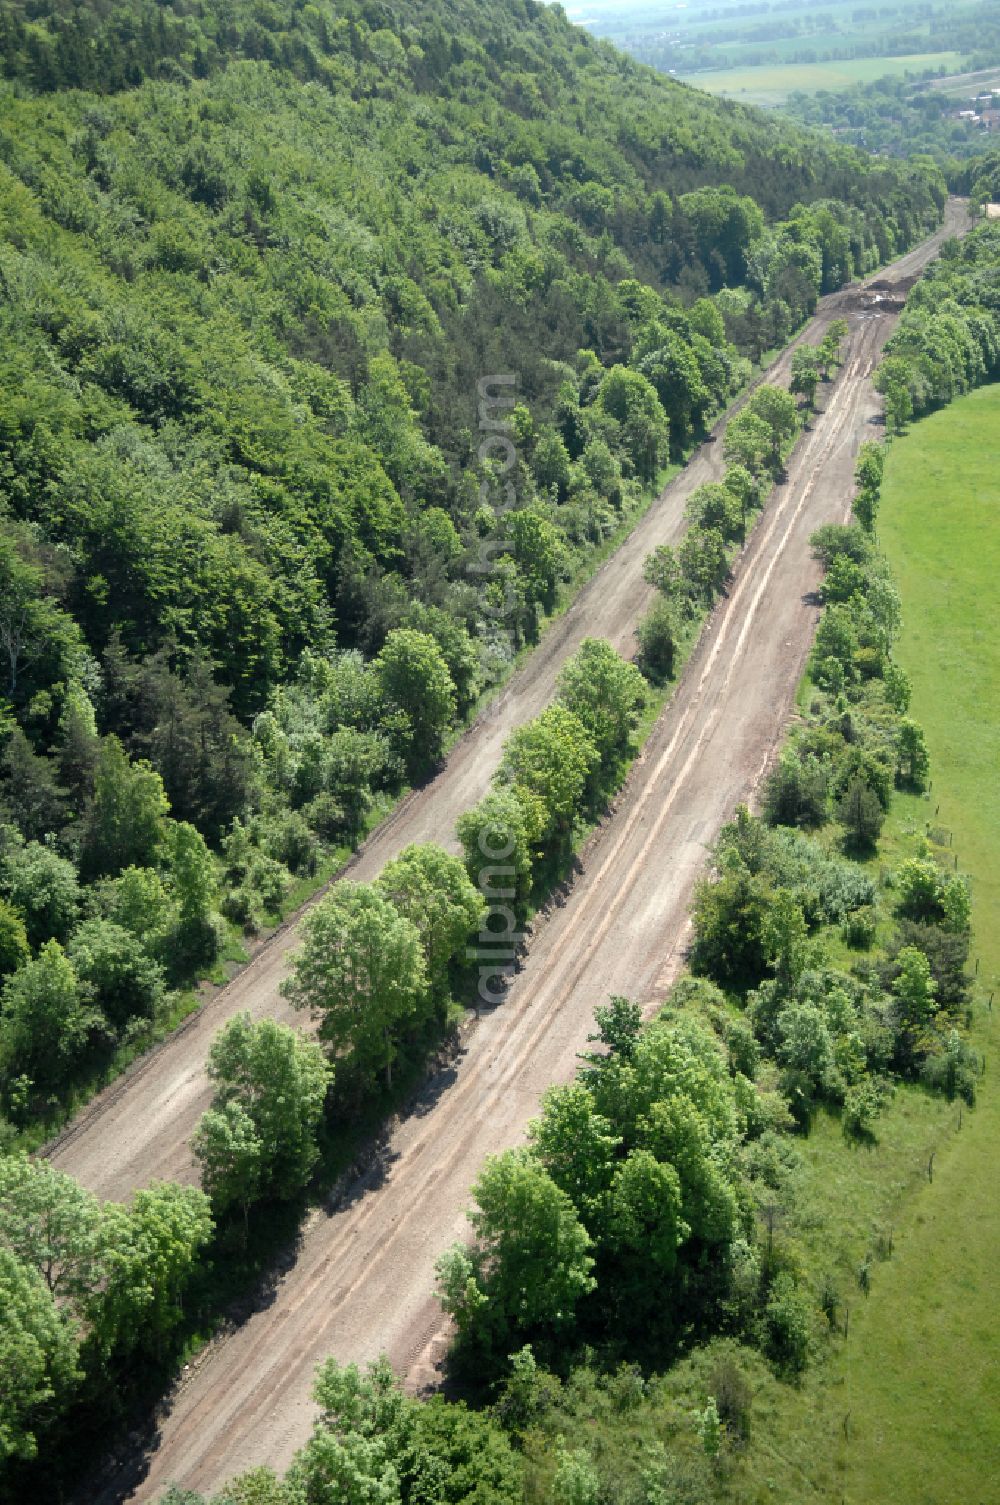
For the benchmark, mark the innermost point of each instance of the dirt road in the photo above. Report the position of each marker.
(363, 1277)
(138, 1129)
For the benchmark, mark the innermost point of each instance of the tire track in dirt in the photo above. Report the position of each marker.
(362, 1281)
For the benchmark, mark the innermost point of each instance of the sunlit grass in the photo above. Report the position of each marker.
(921, 1373)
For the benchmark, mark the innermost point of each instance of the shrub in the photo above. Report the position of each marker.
(787, 1324)
(859, 929)
(953, 1070)
(863, 1104)
(290, 842)
(241, 906)
(796, 793)
(658, 634)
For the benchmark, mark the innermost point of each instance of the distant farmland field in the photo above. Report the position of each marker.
(771, 85)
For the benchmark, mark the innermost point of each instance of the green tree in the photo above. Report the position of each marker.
(866, 504)
(731, 925)
(412, 674)
(46, 1019)
(787, 1324)
(748, 442)
(14, 948)
(710, 1429)
(725, 225)
(602, 470)
(125, 981)
(278, 1080)
(496, 843)
(919, 885)
(152, 1250)
(361, 973)
(745, 489)
(806, 1051)
(892, 380)
(860, 812)
(606, 693)
(553, 758)
(38, 1359)
(38, 641)
(619, 1022)
(956, 905)
(231, 1154)
(138, 902)
(432, 889)
(354, 1451)
(192, 874)
(125, 825)
(787, 936)
(870, 465)
(646, 1225)
(458, 649)
(43, 888)
(576, 1481)
(54, 1227)
(677, 379)
(462, 1452)
(830, 346)
(662, 569)
(704, 563)
(531, 1262)
(690, 1129)
(551, 463)
(196, 744)
(538, 553)
(796, 792)
(805, 375)
(913, 760)
(778, 410)
(79, 743)
(578, 1148)
(630, 398)
(376, 1446)
(914, 991)
(32, 798)
(658, 634)
(717, 506)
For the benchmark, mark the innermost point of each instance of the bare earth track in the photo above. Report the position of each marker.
(363, 1278)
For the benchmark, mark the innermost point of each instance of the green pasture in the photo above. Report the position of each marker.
(771, 85)
(921, 1379)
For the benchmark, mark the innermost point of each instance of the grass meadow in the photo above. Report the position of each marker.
(921, 1376)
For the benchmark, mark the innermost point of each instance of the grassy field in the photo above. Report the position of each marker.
(907, 1407)
(921, 1378)
(772, 85)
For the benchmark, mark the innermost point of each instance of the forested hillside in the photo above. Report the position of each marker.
(255, 259)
